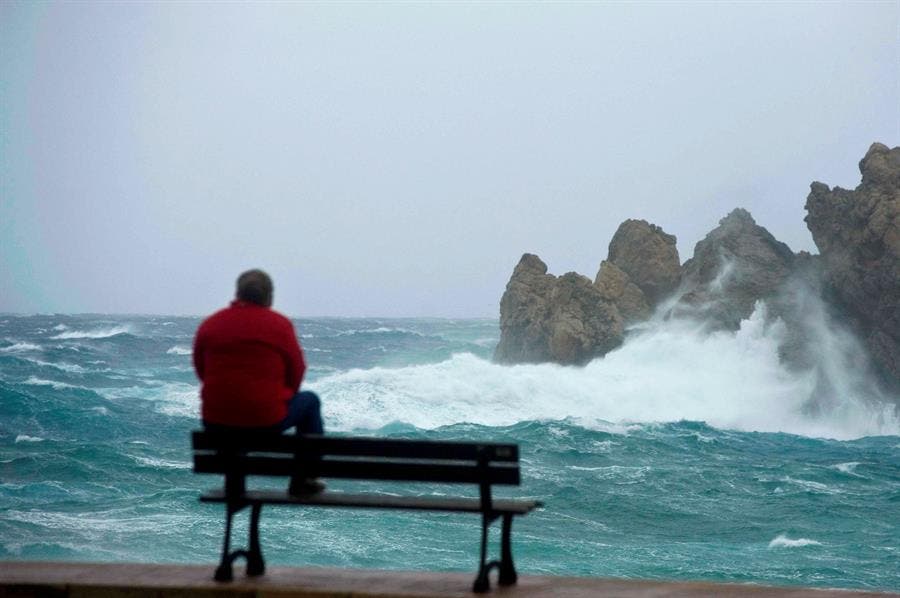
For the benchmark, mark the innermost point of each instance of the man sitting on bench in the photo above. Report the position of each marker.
(250, 365)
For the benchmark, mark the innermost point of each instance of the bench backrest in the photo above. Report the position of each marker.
(356, 458)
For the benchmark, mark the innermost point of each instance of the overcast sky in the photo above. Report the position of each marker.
(397, 159)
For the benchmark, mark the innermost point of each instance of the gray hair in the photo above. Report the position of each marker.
(255, 286)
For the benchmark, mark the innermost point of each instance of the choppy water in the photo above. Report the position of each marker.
(683, 455)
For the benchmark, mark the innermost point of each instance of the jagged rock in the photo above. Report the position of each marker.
(616, 287)
(858, 235)
(737, 264)
(649, 257)
(545, 318)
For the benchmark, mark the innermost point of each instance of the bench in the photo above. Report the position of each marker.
(359, 458)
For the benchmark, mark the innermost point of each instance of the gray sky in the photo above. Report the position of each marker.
(397, 159)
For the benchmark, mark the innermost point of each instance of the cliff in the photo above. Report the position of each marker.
(858, 236)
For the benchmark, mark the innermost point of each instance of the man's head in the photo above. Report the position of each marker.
(255, 286)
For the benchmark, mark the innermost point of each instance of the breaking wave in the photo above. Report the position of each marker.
(782, 541)
(93, 334)
(670, 372)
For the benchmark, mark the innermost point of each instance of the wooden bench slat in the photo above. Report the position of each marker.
(412, 471)
(361, 446)
(379, 501)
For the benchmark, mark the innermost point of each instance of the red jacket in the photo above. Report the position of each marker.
(250, 363)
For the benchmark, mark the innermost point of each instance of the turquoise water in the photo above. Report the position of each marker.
(684, 455)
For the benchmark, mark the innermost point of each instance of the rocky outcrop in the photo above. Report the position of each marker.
(858, 236)
(570, 320)
(616, 287)
(737, 264)
(648, 256)
(545, 318)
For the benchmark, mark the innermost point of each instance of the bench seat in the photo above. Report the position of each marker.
(374, 500)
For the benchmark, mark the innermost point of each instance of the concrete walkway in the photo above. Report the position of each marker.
(78, 580)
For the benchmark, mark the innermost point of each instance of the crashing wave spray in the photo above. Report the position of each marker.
(668, 370)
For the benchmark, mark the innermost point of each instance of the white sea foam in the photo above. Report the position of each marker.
(20, 347)
(27, 438)
(62, 366)
(93, 334)
(848, 468)
(60, 327)
(161, 463)
(99, 523)
(668, 372)
(379, 330)
(176, 399)
(811, 486)
(782, 541)
(35, 381)
(179, 350)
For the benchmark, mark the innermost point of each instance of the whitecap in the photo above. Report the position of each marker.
(179, 350)
(782, 541)
(176, 399)
(27, 438)
(93, 334)
(161, 463)
(848, 468)
(19, 347)
(65, 367)
(811, 486)
(379, 330)
(60, 327)
(35, 381)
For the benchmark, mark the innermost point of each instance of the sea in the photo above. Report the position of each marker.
(686, 454)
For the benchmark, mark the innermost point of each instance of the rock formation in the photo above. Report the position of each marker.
(616, 287)
(858, 236)
(545, 318)
(569, 320)
(648, 256)
(737, 264)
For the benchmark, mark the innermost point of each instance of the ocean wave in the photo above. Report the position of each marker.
(99, 522)
(782, 541)
(671, 372)
(35, 381)
(176, 399)
(810, 486)
(62, 366)
(93, 334)
(179, 350)
(20, 347)
(161, 463)
(848, 468)
(379, 330)
(27, 438)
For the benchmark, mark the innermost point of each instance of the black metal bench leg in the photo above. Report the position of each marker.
(255, 563)
(482, 582)
(507, 575)
(223, 573)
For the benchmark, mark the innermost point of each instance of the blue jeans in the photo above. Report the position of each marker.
(304, 413)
